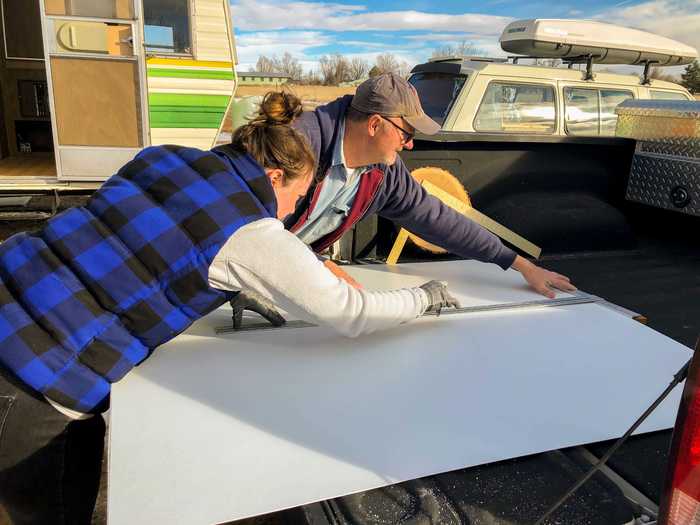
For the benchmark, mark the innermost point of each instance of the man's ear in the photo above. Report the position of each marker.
(374, 122)
(276, 176)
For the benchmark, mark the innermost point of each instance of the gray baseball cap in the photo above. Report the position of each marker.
(390, 95)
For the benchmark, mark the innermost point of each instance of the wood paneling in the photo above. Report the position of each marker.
(97, 102)
(33, 165)
(22, 26)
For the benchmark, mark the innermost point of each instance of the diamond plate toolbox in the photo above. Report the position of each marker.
(666, 165)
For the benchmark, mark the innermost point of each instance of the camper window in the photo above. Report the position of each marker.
(517, 108)
(167, 27)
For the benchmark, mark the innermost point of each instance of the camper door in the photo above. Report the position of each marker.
(95, 71)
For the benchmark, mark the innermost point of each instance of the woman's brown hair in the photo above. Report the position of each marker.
(271, 141)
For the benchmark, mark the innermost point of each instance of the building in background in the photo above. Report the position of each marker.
(257, 78)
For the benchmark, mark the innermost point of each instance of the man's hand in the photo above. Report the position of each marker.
(543, 281)
(250, 300)
(341, 274)
(438, 296)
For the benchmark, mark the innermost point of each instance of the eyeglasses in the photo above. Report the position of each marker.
(406, 136)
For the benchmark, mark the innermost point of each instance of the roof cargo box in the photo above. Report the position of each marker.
(607, 43)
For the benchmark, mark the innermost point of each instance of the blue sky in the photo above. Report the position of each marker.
(412, 29)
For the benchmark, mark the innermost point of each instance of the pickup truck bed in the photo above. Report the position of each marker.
(654, 269)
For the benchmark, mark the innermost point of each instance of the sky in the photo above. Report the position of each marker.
(412, 29)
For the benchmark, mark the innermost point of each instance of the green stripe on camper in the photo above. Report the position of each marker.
(172, 110)
(202, 74)
(178, 99)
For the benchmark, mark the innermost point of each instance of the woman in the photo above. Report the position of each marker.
(171, 237)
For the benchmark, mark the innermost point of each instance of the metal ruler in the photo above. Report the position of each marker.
(578, 298)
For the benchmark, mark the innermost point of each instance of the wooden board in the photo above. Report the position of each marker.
(22, 27)
(217, 428)
(97, 102)
(32, 165)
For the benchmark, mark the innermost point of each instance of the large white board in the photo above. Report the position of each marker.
(216, 428)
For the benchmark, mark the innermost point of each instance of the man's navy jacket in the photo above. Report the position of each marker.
(89, 296)
(391, 192)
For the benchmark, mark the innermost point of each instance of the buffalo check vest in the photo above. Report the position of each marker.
(89, 296)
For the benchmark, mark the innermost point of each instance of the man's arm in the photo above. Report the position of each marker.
(407, 203)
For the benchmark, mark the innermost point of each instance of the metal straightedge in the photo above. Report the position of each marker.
(578, 298)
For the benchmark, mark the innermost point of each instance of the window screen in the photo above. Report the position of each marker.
(167, 26)
(517, 108)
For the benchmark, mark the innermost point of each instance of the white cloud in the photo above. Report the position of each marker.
(676, 19)
(250, 46)
(251, 15)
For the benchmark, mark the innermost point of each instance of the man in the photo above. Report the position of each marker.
(356, 141)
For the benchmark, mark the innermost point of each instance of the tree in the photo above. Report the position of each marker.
(264, 65)
(387, 63)
(287, 65)
(462, 49)
(312, 77)
(334, 69)
(358, 68)
(691, 77)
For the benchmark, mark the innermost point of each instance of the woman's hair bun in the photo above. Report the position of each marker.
(278, 107)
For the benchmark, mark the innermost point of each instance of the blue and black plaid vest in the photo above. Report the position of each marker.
(89, 296)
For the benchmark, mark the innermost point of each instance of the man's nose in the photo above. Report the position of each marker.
(408, 145)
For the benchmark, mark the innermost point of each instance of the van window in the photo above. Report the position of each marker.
(437, 92)
(667, 95)
(591, 112)
(167, 26)
(516, 108)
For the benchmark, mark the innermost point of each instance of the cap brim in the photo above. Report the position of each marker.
(424, 124)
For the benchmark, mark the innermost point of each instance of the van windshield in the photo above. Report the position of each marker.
(437, 92)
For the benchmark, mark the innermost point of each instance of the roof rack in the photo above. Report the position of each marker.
(467, 58)
(589, 60)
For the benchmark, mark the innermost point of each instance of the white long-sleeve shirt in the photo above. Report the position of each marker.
(262, 256)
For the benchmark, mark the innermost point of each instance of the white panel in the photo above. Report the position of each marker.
(193, 138)
(93, 163)
(217, 428)
(213, 8)
(224, 87)
(212, 31)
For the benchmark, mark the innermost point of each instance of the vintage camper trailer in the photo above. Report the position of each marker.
(88, 83)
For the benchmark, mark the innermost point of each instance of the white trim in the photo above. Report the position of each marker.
(190, 84)
(191, 10)
(188, 91)
(102, 56)
(93, 163)
(49, 85)
(137, 35)
(92, 18)
(232, 50)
